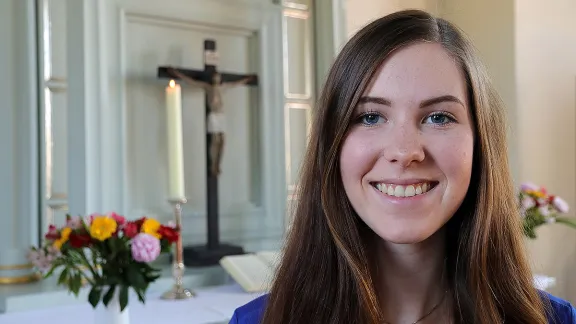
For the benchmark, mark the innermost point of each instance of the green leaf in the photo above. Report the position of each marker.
(50, 272)
(94, 296)
(76, 283)
(136, 277)
(146, 266)
(141, 295)
(123, 297)
(152, 278)
(63, 278)
(109, 294)
(566, 221)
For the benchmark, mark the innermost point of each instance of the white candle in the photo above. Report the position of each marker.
(174, 135)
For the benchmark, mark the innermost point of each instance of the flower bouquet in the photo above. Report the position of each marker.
(107, 252)
(538, 207)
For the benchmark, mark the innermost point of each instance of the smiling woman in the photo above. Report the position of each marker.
(410, 130)
(415, 217)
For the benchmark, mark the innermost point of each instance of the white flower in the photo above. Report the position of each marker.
(544, 210)
(542, 202)
(551, 220)
(560, 204)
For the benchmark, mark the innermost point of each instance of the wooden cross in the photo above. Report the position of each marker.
(212, 82)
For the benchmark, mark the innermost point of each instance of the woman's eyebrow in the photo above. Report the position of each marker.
(424, 103)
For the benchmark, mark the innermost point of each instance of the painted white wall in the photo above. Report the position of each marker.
(89, 43)
(7, 126)
(122, 44)
(18, 168)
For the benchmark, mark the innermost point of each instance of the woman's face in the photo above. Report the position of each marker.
(406, 162)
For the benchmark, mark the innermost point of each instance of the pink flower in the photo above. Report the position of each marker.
(529, 186)
(118, 218)
(528, 202)
(560, 204)
(74, 222)
(42, 259)
(145, 247)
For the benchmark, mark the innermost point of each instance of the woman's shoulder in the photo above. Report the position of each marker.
(250, 313)
(562, 312)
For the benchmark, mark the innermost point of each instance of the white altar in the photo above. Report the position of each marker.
(211, 305)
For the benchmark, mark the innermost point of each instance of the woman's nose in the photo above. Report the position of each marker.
(404, 146)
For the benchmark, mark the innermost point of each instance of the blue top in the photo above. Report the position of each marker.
(563, 311)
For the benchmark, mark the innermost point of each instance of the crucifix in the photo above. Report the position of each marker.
(213, 82)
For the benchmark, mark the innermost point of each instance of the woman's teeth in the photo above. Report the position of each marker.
(404, 191)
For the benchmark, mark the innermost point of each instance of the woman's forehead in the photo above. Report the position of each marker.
(418, 72)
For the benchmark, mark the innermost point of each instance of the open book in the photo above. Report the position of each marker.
(254, 271)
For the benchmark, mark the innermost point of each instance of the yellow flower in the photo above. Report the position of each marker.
(151, 226)
(103, 227)
(64, 236)
(537, 194)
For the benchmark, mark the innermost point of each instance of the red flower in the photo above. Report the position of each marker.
(139, 222)
(168, 233)
(80, 240)
(52, 233)
(131, 229)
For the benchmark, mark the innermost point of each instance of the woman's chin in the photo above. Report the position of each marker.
(405, 236)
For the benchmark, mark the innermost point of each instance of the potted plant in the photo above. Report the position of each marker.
(538, 207)
(107, 252)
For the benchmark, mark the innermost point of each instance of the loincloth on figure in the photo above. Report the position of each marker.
(216, 123)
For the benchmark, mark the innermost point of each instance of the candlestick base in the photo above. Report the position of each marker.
(203, 256)
(178, 291)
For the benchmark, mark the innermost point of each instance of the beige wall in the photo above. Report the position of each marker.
(529, 48)
(546, 89)
(361, 12)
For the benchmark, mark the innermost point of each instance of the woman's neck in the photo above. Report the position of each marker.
(412, 281)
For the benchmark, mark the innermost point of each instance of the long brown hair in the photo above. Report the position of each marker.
(325, 275)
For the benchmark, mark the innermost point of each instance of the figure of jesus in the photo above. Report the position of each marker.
(216, 123)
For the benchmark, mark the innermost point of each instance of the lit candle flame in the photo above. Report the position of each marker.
(172, 84)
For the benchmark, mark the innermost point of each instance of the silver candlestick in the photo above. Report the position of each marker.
(178, 291)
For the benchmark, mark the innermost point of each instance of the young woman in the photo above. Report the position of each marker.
(406, 210)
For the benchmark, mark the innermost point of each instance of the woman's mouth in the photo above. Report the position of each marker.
(411, 190)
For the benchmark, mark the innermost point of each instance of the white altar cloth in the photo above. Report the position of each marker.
(210, 306)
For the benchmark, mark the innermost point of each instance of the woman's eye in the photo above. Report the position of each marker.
(370, 119)
(440, 119)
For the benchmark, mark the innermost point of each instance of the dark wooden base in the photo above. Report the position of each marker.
(202, 256)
